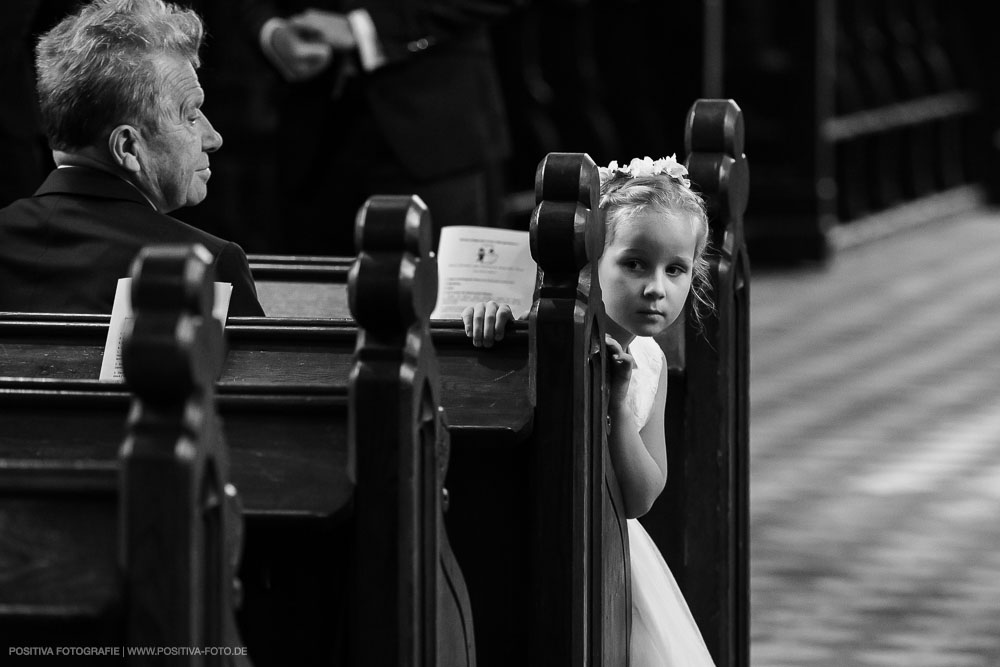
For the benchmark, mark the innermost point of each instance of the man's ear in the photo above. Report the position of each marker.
(124, 143)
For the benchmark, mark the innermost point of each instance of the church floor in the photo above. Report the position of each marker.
(875, 453)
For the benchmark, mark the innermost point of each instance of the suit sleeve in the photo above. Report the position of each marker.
(231, 266)
(406, 29)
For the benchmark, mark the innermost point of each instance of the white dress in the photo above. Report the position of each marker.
(664, 633)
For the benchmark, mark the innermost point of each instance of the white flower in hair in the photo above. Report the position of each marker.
(607, 173)
(647, 166)
(674, 169)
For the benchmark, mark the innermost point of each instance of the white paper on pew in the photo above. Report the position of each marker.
(482, 264)
(121, 313)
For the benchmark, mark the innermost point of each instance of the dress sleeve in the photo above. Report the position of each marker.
(645, 379)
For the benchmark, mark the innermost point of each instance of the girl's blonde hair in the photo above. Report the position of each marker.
(624, 196)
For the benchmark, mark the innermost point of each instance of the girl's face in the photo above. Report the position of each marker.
(645, 274)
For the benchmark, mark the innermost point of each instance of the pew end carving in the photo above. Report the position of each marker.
(174, 463)
(582, 526)
(553, 568)
(395, 398)
(145, 541)
(707, 404)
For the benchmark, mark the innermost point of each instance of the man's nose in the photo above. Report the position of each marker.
(212, 141)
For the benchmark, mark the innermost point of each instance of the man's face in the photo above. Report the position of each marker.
(174, 171)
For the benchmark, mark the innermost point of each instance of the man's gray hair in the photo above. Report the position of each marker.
(96, 67)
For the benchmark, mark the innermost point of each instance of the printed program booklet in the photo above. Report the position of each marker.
(121, 313)
(483, 264)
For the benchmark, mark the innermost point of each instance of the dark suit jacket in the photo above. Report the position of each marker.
(64, 249)
(437, 101)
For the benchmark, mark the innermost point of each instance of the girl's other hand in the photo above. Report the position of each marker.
(485, 322)
(621, 365)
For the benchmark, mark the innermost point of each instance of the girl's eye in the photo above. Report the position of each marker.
(676, 270)
(633, 264)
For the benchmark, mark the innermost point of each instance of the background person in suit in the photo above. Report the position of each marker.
(382, 98)
(121, 105)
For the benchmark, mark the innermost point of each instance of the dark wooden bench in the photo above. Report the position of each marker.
(496, 406)
(707, 412)
(134, 549)
(532, 538)
(309, 595)
(291, 286)
(707, 425)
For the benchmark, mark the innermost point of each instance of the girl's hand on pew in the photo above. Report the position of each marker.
(485, 322)
(621, 367)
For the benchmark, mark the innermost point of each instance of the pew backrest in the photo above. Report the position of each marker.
(294, 286)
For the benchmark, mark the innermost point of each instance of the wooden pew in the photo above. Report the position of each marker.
(707, 416)
(708, 405)
(534, 512)
(534, 508)
(553, 569)
(490, 401)
(534, 539)
(290, 286)
(102, 556)
(289, 451)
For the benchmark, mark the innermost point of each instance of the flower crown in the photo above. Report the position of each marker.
(647, 167)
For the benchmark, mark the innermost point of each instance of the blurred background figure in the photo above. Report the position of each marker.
(854, 109)
(381, 99)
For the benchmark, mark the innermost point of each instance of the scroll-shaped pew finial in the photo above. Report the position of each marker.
(399, 450)
(708, 441)
(181, 524)
(563, 242)
(392, 286)
(579, 530)
(714, 138)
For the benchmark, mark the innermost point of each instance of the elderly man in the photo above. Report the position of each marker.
(121, 105)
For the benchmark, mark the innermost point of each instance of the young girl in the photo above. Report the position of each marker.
(657, 233)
